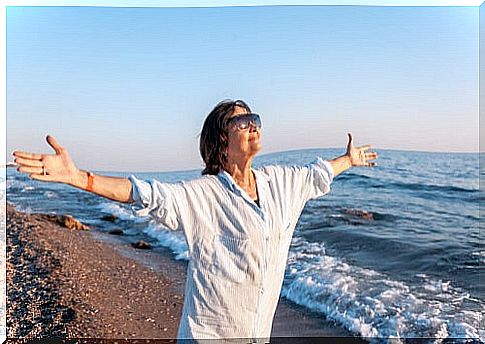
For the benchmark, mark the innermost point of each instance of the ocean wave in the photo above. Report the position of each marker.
(382, 183)
(352, 176)
(22, 207)
(433, 187)
(174, 240)
(473, 259)
(372, 305)
(119, 211)
(13, 185)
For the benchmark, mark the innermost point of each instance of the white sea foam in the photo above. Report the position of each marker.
(120, 211)
(480, 256)
(23, 208)
(16, 184)
(372, 305)
(174, 240)
(51, 194)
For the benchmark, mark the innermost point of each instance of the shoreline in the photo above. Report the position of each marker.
(67, 283)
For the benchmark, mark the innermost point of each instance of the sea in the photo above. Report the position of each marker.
(393, 251)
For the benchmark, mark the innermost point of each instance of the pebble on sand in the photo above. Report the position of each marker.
(67, 221)
(143, 245)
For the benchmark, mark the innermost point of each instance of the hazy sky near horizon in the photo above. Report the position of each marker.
(128, 88)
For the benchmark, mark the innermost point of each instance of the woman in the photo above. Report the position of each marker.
(238, 221)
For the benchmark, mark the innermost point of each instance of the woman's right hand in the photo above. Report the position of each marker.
(57, 167)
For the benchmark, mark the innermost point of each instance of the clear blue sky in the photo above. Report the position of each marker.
(129, 88)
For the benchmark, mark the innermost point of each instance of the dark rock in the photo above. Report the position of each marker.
(110, 218)
(141, 245)
(116, 231)
(360, 213)
(66, 221)
(70, 222)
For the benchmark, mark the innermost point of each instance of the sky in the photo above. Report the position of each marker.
(127, 89)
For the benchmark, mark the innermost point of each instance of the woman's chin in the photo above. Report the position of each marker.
(256, 146)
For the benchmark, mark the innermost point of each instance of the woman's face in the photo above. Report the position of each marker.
(245, 143)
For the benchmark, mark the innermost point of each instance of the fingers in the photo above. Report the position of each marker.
(350, 139)
(31, 170)
(54, 144)
(41, 177)
(371, 155)
(28, 162)
(27, 155)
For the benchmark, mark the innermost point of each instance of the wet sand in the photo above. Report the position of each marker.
(82, 284)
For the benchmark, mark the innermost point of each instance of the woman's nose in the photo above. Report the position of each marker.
(252, 126)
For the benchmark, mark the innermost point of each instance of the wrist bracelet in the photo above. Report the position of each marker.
(90, 181)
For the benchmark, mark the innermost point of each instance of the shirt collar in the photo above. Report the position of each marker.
(229, 182)
(227, 179)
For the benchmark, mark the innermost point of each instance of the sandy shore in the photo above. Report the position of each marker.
(69, 284)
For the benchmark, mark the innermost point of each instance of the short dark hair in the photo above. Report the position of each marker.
(213, 137)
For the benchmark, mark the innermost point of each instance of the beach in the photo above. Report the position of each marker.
(67, 283)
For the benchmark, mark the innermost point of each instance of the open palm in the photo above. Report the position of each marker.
(57, 167)
(359, 156)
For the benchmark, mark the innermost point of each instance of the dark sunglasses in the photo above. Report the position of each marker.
(242, 122)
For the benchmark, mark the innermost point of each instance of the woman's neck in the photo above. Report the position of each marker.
(242, 174)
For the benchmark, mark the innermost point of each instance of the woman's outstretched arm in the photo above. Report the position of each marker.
(60, 168)
(355, 156)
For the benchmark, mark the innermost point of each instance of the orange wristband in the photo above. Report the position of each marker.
(90, 181)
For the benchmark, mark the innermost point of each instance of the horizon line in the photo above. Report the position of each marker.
(191, 169)
(241, 3)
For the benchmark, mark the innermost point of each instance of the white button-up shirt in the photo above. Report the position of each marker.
(237, 250)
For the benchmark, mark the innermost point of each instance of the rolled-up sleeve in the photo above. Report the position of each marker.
(320, 174)
(156, 199)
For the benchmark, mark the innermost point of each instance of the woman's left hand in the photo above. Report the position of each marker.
(359, 156)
